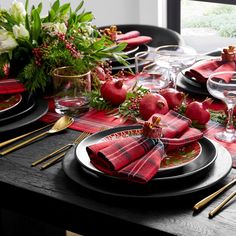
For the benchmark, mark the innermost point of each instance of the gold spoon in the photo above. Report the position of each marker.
(60, 125)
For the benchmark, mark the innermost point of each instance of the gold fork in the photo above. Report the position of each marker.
(216, 209)
(64, 148)
(209, 198)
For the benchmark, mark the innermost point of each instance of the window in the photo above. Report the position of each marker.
(205, 25)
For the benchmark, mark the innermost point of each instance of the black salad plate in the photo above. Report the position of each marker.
(214, 175)
(36, 109)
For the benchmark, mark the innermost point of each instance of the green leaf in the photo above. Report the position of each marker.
(86, 17)
(27, 23)
(79, 6)
(99, 44)
(55, 6)
(116, 48)
(40, 6)
(26, 5)
(51, 15)
(36, 25)
(64, 9)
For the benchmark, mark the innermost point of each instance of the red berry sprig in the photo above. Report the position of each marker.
(74, 52)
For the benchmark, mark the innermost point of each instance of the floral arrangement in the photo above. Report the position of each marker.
(31, 46)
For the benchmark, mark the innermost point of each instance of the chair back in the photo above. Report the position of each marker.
(160, 36)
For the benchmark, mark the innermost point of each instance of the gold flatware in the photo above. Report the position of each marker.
(64, 148)
(53, 161)
(2, 144)
(216, 209)
(60, 125)
(204, 201)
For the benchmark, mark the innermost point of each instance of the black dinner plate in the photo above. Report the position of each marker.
(195, 168)
(215, 174)
(40, 109)
(189, 87)
(26, 106)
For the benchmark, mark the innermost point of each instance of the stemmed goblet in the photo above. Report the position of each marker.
(176, 58)
(222, 85)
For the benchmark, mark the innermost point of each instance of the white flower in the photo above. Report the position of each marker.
(17, 11)
(7, 42)
(54, 28)
(60, 28)
(20, 31)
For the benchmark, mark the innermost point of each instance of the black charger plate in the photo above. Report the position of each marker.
(214, 175)
(40, 109)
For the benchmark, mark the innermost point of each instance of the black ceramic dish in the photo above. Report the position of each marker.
(40, 108)
(215, 174)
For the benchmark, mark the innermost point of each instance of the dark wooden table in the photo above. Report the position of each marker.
(50, 198)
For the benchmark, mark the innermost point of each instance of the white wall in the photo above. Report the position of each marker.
(108, 12)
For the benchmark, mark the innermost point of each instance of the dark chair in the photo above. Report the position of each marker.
(160, 36)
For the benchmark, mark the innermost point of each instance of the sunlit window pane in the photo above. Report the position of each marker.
(208, 26)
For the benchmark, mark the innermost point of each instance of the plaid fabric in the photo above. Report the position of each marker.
(8, 86)
(189, 136)
(133, 159)
(124, 151)
(202, 71)
(93, 120)
(138, 159)
(143, 169)
(173, 124)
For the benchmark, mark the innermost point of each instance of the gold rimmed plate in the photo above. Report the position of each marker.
(9, 101)
(195, 160)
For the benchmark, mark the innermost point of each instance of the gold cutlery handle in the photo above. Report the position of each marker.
(51, 154)
(23, 143)
(204, 201)
(215, 210)
(53, 161)
(22, 136)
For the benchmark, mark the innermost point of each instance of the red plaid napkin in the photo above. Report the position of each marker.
(202, 71)
(138, 159)
(8, 86)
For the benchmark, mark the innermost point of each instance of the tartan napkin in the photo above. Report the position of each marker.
(137, 159)
(8, 86)
(202, 71)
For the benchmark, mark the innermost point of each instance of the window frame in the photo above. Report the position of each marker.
(174, 12)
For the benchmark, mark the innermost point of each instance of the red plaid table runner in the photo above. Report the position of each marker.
(93, 121)
(8, 86)
(138, 159)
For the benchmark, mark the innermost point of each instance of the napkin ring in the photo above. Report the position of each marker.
(152, 129)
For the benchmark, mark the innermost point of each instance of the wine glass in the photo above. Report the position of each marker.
(176, 58)
(149, 74)
(222, 85)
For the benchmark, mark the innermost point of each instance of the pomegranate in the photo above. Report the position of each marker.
(113, 91)
(151, 104)
(198, 111)
(173, 97)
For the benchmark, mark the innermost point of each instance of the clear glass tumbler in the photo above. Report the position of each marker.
(70, 89)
